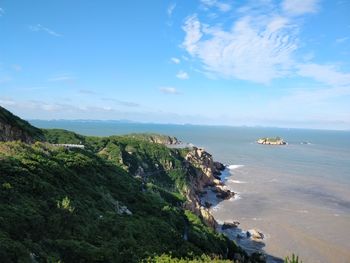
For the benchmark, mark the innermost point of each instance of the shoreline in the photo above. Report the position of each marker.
(251, 240)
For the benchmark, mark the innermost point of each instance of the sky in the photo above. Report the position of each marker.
(215, 62)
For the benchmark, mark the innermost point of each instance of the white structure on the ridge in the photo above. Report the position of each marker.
(70, 146)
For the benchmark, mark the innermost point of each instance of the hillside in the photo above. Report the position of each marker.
(14, 128)
(122, 199)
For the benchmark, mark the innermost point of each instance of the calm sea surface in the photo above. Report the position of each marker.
(298, 195)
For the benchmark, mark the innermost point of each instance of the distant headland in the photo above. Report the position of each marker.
(271, 141)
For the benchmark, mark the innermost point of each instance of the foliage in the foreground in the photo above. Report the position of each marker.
(170, 259)
(69, 205)
(293, 259)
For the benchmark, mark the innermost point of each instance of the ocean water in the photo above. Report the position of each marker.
(298, 195)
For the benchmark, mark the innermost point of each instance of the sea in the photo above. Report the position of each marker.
(297, 195)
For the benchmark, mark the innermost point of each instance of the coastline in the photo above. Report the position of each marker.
(251, 240)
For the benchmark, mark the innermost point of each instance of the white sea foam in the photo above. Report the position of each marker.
(234, 166)
(217, 207)
(235, 197)
(303, 211)
(236, 181)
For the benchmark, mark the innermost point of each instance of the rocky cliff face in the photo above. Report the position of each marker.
(206, 174)
(10, 133)
(13, 128)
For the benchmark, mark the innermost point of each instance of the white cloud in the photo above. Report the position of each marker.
(122, 103)
(223, 7)
(192, 27)
(256, 48)
(182, 75)
(2, 11)
(171, 9)
(300, 7)
(169, 90)
(327, 74)
(38, 28)
(7, 102)
(341, 40)
(175, 60)
(62, 77)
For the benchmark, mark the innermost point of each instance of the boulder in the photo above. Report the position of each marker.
(255, 234)
(219, 166)
(222, 194)
(208, 204)
(228, 225)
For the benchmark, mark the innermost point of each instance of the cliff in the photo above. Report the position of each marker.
(12, 128)
(205, 174)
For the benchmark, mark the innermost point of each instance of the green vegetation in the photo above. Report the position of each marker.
(293, 259)
(272, 139)
(118, 200)
(170, 259)
(61, 205)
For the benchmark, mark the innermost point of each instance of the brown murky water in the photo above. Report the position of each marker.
(295, 214)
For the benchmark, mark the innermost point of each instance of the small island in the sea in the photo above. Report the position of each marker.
(271, 141)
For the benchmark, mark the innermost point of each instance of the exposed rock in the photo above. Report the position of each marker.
(12, 128)
(228, 225)
(208, 204)
(123, 210)
(225, 194)
(255, 234)
(157, 138)
(219, 166)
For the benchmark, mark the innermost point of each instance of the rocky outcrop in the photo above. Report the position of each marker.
(9, 132)
(13, 128)
(271, 141)
(204, 175)
(255, 234)
(156, 138)
(228, 225)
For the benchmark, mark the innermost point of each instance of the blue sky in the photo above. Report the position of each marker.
(273, 63)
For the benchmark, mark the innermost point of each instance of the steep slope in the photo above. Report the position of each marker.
(13, 128)
(74, 206)
(121, 199)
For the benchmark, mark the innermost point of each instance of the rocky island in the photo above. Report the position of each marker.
(271, 141)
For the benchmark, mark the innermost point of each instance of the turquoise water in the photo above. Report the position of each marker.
(298, 194)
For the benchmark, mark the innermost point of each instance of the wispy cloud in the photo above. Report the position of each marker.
(300, 7)
(222, 6)
(258, 49)
(182, 75)
(41, 28)
(169, 90)
(341, 40)
(122, 103)
(2, 11)
(87, 92)
(171, 9)
(175, 60)
(192, 28)
(326, 74)
(61, 77)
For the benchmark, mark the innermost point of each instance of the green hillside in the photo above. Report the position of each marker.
(118, 200)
